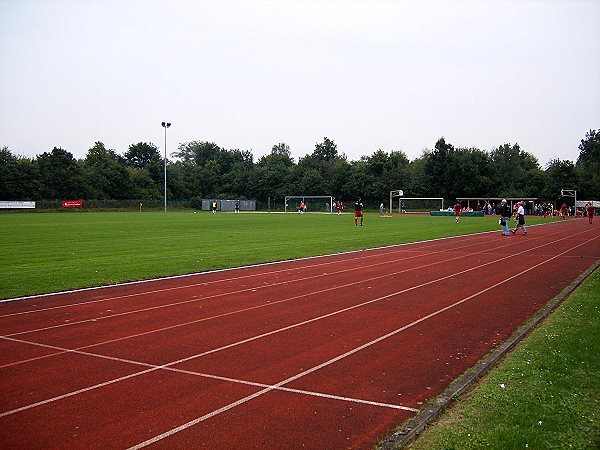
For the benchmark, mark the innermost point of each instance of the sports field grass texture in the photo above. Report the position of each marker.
(49, 252)
(545, 395)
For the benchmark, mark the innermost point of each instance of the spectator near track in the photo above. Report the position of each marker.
(520, 218)
(504, 216)
(358, 212)
(590, 212)
(457, 209)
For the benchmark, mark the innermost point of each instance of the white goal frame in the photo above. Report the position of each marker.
(329, 199)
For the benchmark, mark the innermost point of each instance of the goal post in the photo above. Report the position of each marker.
(394, 194)
(312, 203)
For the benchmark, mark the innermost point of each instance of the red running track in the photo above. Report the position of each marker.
(329, 352)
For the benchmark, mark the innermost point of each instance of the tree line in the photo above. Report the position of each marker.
(202, 169)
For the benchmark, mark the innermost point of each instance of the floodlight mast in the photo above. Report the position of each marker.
(165, 125)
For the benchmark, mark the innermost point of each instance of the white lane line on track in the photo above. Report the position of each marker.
(333, 360)
(168, 365)
(154, 367)
(398, 248)
(252, 289)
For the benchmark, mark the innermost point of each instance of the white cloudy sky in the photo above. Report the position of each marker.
(369, 74)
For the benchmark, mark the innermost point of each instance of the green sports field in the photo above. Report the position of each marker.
(48, 252)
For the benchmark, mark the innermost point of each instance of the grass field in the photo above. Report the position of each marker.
(545, 395)
(51, 252)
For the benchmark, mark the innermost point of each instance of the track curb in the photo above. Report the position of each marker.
(411, 429)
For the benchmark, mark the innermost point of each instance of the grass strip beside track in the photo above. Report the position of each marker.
(544, 395)
(60, 251)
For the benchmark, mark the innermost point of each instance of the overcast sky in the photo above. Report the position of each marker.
(372, 74)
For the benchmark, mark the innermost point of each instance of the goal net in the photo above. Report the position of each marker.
(414, 204)
(312, 203)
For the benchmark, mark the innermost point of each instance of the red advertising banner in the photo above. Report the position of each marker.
(72, 203)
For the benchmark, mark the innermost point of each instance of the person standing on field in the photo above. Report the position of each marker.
(339, 207)
(237, 206)
(563, 211)
(358, 212)
(457, 209)
(381, 209)
(504, 216)
(520, 218)
(590, 212)
(213, 207)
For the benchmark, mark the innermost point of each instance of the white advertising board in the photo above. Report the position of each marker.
(16, 205)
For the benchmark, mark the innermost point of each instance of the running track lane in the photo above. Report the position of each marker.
(328, 352)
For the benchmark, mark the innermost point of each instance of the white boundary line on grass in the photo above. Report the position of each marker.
(203, 283)
(255, 288)
(172, 277)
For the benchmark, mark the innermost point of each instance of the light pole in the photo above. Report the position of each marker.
(165, 126)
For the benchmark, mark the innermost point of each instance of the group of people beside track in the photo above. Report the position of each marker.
(518, 214)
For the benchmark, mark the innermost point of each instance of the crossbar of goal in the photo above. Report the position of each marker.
(313, 203)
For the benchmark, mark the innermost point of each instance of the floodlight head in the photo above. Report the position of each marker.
(166, 124)
(163, 124)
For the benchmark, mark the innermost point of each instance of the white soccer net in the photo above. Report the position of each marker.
(312, 203)
(414, 204)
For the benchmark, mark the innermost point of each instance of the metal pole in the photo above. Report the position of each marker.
(165, 125)
(165, 167)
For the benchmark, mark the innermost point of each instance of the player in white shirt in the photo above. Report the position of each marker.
(520, 219)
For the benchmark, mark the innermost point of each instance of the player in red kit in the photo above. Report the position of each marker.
(590, 212)
(457, 209)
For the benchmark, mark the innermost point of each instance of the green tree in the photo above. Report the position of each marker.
(142, 154)
(18, 177)
(317, 173)
(511, 169)
(197, 152)
(472, 174)
(588, 165)
(386, 172)
(357, 183)
(417, 179)
(105, 174)
(142, 186)
(184, 181)
(326, 150)
(9, 176)
(559, 175)
(272, 174)
(59, 175)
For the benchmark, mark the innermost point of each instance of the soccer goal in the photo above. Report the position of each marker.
(415, 204)
(312, 203)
